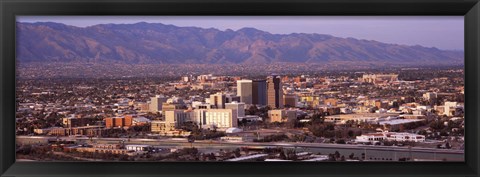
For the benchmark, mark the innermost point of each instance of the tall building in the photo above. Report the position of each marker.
(244, 90)
(156, 103)
(218, 100)
(274, 92)
(237, 107)
(177, 116)
(259, 92)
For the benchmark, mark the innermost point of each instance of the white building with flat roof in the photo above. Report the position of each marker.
(389, 136)
(215, 118)
(137, 147)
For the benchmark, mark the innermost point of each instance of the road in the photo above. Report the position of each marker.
(371, 152)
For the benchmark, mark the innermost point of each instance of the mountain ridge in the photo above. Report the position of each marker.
(157, 43)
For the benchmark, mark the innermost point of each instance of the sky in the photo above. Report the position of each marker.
(443, 32)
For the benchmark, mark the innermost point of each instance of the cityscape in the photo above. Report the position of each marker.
(243, 109)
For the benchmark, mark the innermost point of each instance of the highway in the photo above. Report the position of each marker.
(371, 152)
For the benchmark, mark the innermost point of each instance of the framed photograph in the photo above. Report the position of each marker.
(239, 88)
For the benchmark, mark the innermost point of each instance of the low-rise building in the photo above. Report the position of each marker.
(379, 78)
(389, 136)
(290, 100)
(361, 117)
(330, 102)
(91, 130)
(138, 147)
(104, 148)
(77, 122)
(119, 121)
(281, 115)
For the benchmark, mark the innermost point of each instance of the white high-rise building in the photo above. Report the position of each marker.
(244, 91)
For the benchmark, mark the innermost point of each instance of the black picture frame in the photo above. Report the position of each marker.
(470, 9)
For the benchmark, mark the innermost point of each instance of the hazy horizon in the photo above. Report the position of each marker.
(443, 32)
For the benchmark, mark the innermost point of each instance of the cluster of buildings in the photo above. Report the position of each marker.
(221, 102)
(379, 78)
(220, 110)
(261, 92)
(88, 126)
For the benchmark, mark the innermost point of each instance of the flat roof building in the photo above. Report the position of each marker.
(215, 118)
(244, 91)
(218, 100)
(274, 92)
(280, 115)
(259, 92)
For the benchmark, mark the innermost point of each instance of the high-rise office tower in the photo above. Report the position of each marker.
(244, 91)
(156, 103)
(259, 92)
(274, 92)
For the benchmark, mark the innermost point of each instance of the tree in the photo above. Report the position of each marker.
(252, 110)
(422, 132)
(244, 122)
(237, 152)
(350, 133)
(437, 125)
(351, 156)
(447, 145)
(318, 117)
(331, 157)
(283, 156)
(401, 128)
(340, 141)
(292, 123)
(291, 155)
(337, 154)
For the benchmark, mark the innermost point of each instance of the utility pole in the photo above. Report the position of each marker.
(395, 156)
(365, 152)
(410, 152)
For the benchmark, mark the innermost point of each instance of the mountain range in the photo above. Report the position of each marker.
(156, 43)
